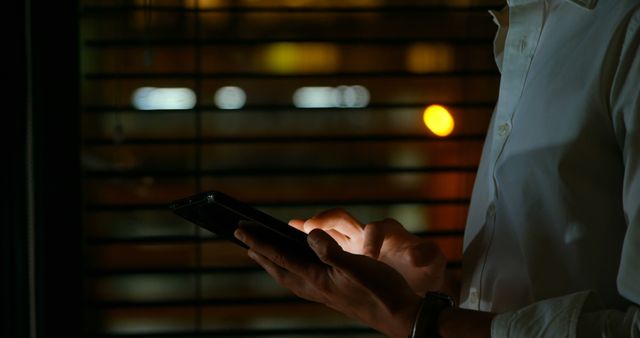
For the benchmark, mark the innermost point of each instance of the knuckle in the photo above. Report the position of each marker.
(340, 212)
(370, 251)
(323, 286)
(280, 277)
(373, 228)
(383, 225)
(279, 259)
(375, 225)
(322, 252)
(317, 277)
(391, 222)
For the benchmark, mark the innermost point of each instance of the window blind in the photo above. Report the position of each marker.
(291, 106)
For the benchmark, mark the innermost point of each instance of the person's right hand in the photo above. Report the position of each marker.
(418, 260)
(361, 287)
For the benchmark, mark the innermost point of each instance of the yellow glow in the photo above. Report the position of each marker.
(309, 3)
(438, 119)
(430, 57)
(198, 4)
(288, 57)
(281, 57)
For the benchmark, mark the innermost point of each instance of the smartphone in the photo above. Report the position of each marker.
(222, 214)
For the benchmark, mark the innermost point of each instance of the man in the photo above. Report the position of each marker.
(552, 243)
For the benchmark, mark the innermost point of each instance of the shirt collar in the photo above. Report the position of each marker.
(590, 4)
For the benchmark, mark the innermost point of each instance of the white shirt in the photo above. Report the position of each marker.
(554, 222)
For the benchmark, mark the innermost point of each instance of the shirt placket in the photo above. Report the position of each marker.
(525, 25)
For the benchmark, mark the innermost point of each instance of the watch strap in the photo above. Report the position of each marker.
(426, 322)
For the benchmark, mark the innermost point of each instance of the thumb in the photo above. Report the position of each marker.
(327, 249)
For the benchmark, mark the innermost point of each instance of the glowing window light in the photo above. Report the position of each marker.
(230, 97)
(430, 57)
(350, 96)
(313, 97)
(438, 119)
(329, 97)
(200, 4)
(152, 98)
(288, 57)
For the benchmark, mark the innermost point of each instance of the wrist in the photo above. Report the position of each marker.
(402, 318)
(425, 324)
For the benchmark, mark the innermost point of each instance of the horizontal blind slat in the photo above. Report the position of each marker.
(154, 275)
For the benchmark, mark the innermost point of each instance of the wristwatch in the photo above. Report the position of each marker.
(426, 322)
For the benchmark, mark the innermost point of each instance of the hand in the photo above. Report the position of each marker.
(356, 285)
(420, 261)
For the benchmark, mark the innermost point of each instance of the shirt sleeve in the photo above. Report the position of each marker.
(578, 315)
(625, 114)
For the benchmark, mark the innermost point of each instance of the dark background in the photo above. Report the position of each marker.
(111, 261)
(42, 72)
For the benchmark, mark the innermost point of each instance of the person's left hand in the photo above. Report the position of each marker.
(356, 285)
(419, 260)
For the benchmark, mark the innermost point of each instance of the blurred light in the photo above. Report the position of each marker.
(313, 97)
(438, 119)
(350, 96)
(151, 98)
(412, 217)
(200, 4)
(286, 57)
(329, 97)
(429, 57)
(230, 97)
(310, 3)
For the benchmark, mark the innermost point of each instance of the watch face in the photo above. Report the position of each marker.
(443, 297)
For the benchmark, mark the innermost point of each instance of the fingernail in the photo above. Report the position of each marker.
(239, 234)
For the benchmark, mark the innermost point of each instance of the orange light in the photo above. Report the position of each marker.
(438, 119)
(430, 57)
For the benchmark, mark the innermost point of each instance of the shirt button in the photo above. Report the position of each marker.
(504, 129)
(491, 210)
(474, 300)
(522, 46)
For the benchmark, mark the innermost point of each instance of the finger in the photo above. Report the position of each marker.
(364, 270)
(336, 219)
(330, 253)
(296, 264)
(342, 240)
(325, 247)
(241, 235)
(389, 233)
(298, 224)
(291, 281)
(373, 239)
(338, 236)
(280, 274)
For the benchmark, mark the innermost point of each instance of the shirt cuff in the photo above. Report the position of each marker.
(555, 317)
